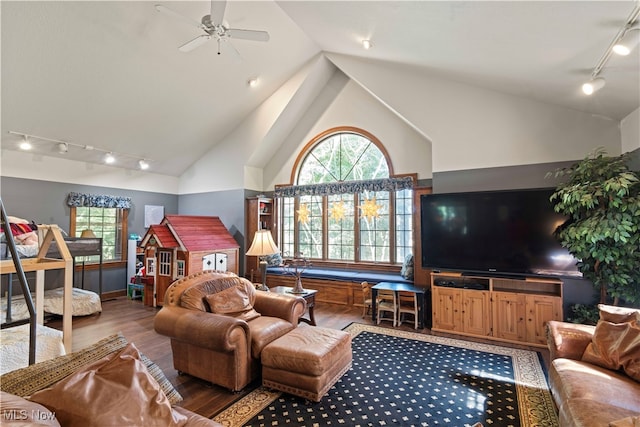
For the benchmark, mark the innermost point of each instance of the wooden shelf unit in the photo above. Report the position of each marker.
(260, 215)
(502, 309)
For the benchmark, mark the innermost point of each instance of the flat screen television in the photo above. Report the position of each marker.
(497, 233)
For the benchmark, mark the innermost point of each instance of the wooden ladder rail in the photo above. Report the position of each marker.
(23, 285)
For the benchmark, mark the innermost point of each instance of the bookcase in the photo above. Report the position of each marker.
(503, 309)
(259, 215)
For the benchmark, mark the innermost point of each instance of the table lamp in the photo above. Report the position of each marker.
(262, 246)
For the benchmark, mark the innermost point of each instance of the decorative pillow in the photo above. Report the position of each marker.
(615, 346)
(17, 411)
(26, 381)
(232, 302)
(613, 314)
(117, 390)
(407, 267)
(274, 260)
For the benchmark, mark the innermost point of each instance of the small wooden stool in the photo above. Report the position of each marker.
(307, 361)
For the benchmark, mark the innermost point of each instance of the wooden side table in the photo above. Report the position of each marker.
(309, 295)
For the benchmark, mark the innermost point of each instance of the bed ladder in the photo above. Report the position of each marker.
(23, 284)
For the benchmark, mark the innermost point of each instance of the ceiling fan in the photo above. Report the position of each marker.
(214, 27)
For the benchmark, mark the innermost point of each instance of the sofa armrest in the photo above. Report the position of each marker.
(287, 307)
(568, 340)
(207, 330)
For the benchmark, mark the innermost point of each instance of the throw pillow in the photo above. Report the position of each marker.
(407, 267)
(116, 390)
(615, 314)
(233, 302)
(17, 411)
(26, 381)
(615, 346)
(274, 260)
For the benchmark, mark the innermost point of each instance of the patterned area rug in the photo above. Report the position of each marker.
(407, 379)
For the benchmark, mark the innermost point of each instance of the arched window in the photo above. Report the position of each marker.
(345, 205)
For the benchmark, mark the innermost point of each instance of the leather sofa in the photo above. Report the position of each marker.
(585, 391)
(218, 324)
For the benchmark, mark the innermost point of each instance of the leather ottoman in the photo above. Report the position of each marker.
(307, 361)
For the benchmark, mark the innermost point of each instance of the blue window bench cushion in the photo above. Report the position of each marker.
(345, 275)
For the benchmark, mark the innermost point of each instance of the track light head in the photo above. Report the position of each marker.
(628, 42)
(593, 86)
(25, 144)
(63, 147)
(143, 164)
(109, 159)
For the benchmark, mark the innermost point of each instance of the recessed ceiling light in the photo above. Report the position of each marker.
(366, 44)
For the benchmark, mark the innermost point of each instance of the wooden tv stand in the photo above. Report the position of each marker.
(501, 309)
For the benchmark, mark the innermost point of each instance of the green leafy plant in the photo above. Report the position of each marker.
(601, 198)
(585, 314)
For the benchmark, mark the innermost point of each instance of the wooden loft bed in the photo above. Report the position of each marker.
(39, 265)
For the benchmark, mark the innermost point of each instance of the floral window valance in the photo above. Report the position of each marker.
(98, 201)
(346, 187)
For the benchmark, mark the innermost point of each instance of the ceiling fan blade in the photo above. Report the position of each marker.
(229, 48)
(259, 36)
(173, 13)
(192, 44)
(217, 11)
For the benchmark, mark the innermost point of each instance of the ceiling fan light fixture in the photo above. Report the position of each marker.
(367, 44)
(25, 145)
(593, 86)
(628, 42)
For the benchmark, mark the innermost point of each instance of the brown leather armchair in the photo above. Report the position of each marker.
(211, 338)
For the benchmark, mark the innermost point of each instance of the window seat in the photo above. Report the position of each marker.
(344, 275)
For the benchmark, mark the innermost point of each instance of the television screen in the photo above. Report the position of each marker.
(494, 232)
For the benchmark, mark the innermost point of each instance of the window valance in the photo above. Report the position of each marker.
(98, 201)
(345, 187)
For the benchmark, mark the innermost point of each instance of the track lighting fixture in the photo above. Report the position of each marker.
(25, 144)
(108, 157)
(622, 44)
(366, 44)
(593, 86)
(253, 82)
(628, 41)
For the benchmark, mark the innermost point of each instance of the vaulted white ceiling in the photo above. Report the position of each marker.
(109, 74)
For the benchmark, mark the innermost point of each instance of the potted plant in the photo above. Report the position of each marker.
(601, 198)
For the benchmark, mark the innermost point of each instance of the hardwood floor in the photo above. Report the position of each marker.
(135, 321)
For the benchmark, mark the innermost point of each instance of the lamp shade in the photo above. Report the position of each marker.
(88, 234)
(263, 244)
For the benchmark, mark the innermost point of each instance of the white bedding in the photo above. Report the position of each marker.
(83, 303)
(14, 351)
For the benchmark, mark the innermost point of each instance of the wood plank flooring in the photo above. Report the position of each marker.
(135, 321)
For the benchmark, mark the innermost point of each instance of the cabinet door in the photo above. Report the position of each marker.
(446, 309)
(509, 316)
(476, 314)
(541, 309)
